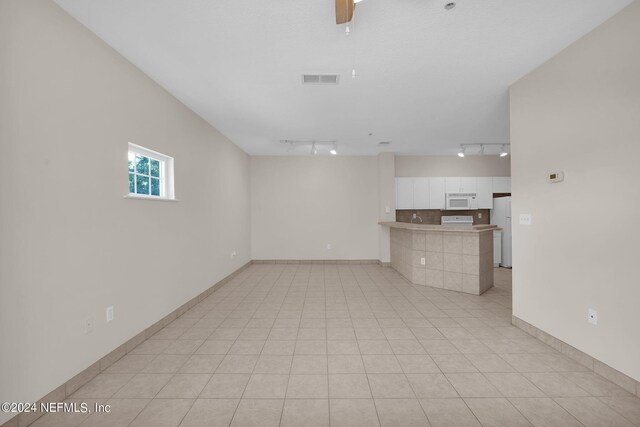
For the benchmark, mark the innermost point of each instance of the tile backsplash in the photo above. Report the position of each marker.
(433, 216)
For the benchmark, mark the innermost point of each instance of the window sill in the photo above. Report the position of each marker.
(154, 198)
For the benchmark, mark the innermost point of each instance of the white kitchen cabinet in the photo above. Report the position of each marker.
(404, 193)
(437, 193)
(502, 184)
(452, 184)
(430, 193)
(461, 184)
(421, 193)
(469, 185)
(485, 192)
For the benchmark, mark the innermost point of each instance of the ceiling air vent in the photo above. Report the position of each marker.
(320, 79)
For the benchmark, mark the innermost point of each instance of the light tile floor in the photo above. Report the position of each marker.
(348, 345)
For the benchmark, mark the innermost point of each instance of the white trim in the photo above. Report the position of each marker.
(146, 152)
(143, 197)
(167, 190)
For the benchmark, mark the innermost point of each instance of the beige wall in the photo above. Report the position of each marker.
(386, 199)
(453, 166)
(70, 244)
(580, 113)
(301, 204)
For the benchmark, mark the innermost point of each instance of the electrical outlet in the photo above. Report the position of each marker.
(387, 209)
(415, 216)
(109, 313)
(328, 246)
(525, 219)
(423, 261)
(233, 254)
(479, 215)
(88, 325)
(592, 316)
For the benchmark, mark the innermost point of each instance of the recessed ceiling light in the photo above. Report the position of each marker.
(449, 6)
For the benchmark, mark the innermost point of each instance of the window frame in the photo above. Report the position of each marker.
(166, 177)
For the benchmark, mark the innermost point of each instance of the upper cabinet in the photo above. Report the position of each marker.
(469, 185)
(452, 185)
(485, 192)
(437, 193)
(461, 184)
(502, 184)
(413, 193)
(430, 193)
(421, 193)
(404, 193)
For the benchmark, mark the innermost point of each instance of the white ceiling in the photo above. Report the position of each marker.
(428, 79)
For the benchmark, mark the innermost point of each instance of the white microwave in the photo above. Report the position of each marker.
(461, 201)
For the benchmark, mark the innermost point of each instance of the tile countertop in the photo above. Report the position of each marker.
(435, 227)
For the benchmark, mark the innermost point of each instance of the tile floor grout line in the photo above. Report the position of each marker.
(614, 409)
(357, 297)
(409, 383)
(178, 369)
(211, 376)
(284, 400)
(375, 406)
(451, 385)
(546, 397)
(254, 366)
(173, 376)
(240, 399)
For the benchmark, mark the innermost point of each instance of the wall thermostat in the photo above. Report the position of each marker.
(555, 177)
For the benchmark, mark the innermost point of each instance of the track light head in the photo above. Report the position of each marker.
(503, 151)
(461, 152)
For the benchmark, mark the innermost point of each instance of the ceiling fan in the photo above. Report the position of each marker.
(344, 10)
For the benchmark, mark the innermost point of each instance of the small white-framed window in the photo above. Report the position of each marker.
(150, 173)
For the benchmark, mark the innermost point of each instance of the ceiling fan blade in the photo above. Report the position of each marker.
(344, 11)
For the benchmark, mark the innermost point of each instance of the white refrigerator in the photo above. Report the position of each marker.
(501, 216)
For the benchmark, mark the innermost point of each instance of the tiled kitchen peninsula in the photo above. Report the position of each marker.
(457, 258)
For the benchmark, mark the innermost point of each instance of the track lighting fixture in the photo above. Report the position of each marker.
(482, 149)
(317, 146)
